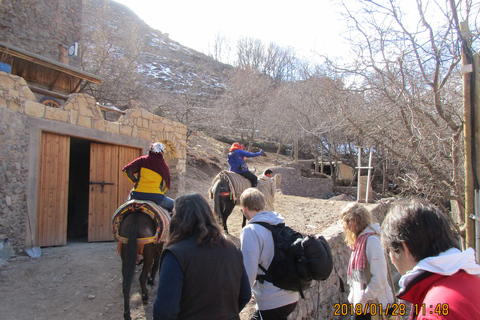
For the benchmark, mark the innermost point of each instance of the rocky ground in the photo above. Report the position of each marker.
(82, 281)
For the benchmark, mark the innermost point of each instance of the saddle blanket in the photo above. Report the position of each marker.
(159, 215)
(237, 183)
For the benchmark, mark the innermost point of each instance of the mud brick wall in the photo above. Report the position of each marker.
(296, 185)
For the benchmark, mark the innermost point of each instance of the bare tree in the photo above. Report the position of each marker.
(277, 62)
(192, 106)
(250, 53)
(406, 76)
(220, 49)
(243, 106)
(111, 48)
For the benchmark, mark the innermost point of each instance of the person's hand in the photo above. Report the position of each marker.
(261, 151)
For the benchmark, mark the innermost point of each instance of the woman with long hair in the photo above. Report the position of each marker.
(201, 274)
(367, 268)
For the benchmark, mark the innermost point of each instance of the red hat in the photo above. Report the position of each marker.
(236, 146)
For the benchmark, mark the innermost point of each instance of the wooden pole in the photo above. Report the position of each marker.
(385, 170)
(476, 74)
(369, 176)
(295, 144)
(321, 160)
(359, 165)
(469, 177)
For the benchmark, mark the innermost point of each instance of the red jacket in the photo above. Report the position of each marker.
(435, 296)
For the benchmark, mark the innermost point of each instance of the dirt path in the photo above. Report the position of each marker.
(82, 281)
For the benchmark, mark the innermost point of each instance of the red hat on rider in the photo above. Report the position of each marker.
(236, 146)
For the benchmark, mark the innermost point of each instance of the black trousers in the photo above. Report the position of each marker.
(280, 313)
(250, 176)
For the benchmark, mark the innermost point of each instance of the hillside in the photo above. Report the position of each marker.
(206, 157)
(143, 66)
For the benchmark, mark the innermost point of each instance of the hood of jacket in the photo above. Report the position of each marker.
(446, 263)
(373, 227)
(270, 217)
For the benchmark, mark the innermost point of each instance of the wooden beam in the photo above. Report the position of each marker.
(111, 109)
(48, 93)
(52, 85)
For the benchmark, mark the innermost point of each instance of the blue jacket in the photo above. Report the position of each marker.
(235, 159)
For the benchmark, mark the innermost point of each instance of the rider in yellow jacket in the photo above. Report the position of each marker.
(151, 176)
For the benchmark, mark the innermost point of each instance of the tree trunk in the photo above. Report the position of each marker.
(280, 144)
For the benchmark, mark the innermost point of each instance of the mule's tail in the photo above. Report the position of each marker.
(129, 264)
(216, 199)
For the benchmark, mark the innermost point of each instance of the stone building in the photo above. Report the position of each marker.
(60, 168)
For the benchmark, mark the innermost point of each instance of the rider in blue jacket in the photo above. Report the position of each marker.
(236, 159)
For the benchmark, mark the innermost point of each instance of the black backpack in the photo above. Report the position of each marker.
(297, 259)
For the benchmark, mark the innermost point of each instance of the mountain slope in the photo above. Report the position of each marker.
(143, 64)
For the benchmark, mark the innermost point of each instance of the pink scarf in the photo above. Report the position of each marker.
(358, 258)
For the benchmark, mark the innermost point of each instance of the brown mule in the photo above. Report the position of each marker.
(138, 225)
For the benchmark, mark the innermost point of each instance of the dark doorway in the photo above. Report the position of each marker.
(77, 223)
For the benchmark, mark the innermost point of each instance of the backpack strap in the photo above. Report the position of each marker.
(262, 277)
(266, 276)
(268, 225)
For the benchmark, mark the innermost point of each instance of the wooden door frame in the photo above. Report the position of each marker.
(36, 127)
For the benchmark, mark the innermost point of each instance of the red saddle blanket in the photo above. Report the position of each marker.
(159, 215)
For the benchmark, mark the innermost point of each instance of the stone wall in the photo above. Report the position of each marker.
(41, 26)
(294, 184)
(22, 120)
(13, 175)
(321, 298)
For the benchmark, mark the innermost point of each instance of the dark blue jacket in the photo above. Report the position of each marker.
(235, 159)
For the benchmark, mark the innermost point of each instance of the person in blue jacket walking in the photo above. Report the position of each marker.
(236, 159)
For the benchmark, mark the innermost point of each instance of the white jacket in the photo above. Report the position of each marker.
(379, 287)
(257, 248)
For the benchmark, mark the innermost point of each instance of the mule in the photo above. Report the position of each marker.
(134, 226)
(224, 200)
(223, 203)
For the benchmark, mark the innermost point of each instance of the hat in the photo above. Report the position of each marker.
(236, 146)
(157, 147)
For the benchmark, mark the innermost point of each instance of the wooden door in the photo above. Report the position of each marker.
(109, 187)
(103, 194)
(52, 205)
(125, 156)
